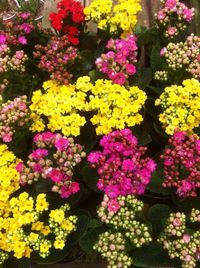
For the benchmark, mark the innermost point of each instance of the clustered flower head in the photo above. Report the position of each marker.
(184, 55)
(10, 62)
(60, 105)
(56, 58)
(13, 114)
(118, 62)
(122, 167)
(53, 159)
(29, 226)
(195, 215)
(17, 30)
(181, 164)
(118, 17)
(181, 242)
(115, 106)
(181, 106)
(122, 215)
(173, 18)
(112, 245)
(68, 19)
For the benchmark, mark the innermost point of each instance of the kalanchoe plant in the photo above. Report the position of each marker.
(121, 165)
(181, 164)
(118, 62)
(180, 241)
(53, 159)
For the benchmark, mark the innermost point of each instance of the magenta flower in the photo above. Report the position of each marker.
(170, 4)
(39, 153)
(113, 205)
(20, 167)
(188, 14)
(131, 69)
(61, 144)
(22, 40)
(56, 175)
(3, 39)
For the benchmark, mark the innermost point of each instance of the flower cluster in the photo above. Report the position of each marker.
(60, 105)
(17, 30)
(181, 106)
(173, 18)
(53, 159)
(68, 19)
(195, 215)
(121, 16)
(179, 242)
(112, 245)
(56, 58)
(184, 55)
(122, 167)
(181, 164)
(9, 177)
(13, 114)
(10, 62)
(23, 230)
(118, 62)
(116, 106)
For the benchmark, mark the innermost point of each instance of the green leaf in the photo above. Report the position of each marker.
(90, 177)
(145, 37)
(151, 256)
(157, 215)
(89, 239)
(144, 138)
(156, 59)
(94, 223)
(145, 77)
(187, 204)
(43, 186)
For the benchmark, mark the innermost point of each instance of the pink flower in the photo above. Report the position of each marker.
(20, 167)
(94, 157)
(186, 238)
(179, 136)
(131, 69)
(177, 222)
(197, 145)
(119, 78)
(113, 205)
(163, 51)
(61, 144)
(161, 15)
(65, 192)
(170, 4)
(19, 54)
(151, 165)
(25, 15)
(128, 165)
(171, 31)
(3, 39)
(27, 28)
(37, 168)
(22, 40)
(56, 175)
(187, 14)
(39, 153)
(7, 138)
(75, 187)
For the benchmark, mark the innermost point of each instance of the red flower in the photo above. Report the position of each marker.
(73, 40)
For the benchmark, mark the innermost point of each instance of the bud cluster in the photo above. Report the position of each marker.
(10, 62)
(122, 167)
(13, 114)
(118, 62)
(161, 75)
(173, 18)
(53, 159)
(184, 55)
(122, 215)
(181, 164)
(179, 242)
(56, 58)
(112, 246)
(195, 215)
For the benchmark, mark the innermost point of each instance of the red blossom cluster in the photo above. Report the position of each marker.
(68, 19)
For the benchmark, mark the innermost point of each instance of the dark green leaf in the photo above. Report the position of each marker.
(156, 59)
(94, 223)
(145, 77)
(90, 177)
(144, 138)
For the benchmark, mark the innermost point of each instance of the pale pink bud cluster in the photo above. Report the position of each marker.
(56, 57)
(13, 114)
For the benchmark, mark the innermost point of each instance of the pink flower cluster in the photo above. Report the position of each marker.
(56, 57)
(173, 18)
(17, 30)
(118, 62)
(122, 167)
(53, 159)
(13, 114)
(12, 62)
(181, 164)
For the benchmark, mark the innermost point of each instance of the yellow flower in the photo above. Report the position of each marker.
(41, 203)
(44, 247)
(57, 215)
(181, 106)
(59, 244)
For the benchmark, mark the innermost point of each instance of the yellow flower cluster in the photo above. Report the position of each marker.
(114, 17)
(59, 105)
(9, 177)
(181, 106)
(116, 106)
(22, 231)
